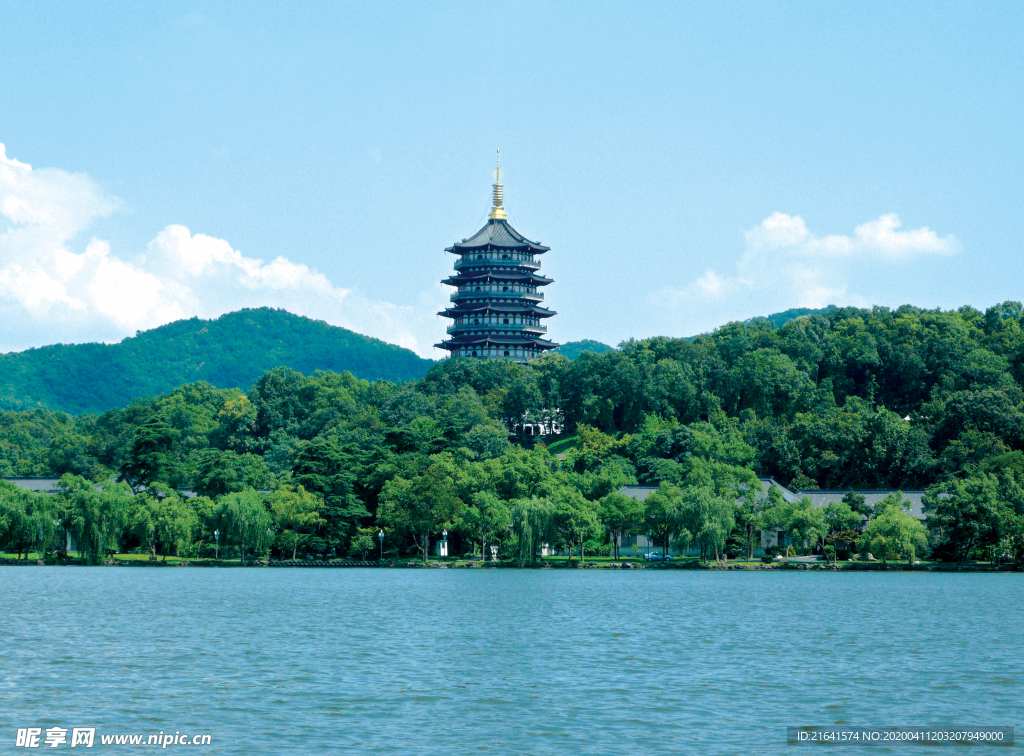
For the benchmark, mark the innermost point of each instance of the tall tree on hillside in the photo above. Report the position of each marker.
(331, 469)
(152, 455)
(223, 472)
(69, 453)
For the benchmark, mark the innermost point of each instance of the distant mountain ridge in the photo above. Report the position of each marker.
(574, 349)
(780, 319)
(230, 351)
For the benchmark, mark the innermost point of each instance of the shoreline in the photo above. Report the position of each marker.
(460, 565)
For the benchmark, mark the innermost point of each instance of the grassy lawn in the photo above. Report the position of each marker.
(562, 445)
(145, 558)
(33, 556)
(11, 555)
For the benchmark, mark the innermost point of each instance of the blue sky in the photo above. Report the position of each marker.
(689, 164)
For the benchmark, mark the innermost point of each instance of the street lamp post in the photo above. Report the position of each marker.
(380, 535)
(216, 553)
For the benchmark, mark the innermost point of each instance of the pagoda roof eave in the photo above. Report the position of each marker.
(513, 339)
(540, 312)
(502, 305)
(499, 274)
(462, 278)
(461, 313)
(499, 234)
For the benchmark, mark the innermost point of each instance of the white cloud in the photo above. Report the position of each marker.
(881, 235)
(778, 230)
(874, 239)
(51, 292)
(714, 285)
(784, 265)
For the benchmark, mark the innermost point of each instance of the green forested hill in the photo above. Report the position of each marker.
(230, 351)
(574, 349)
(780, 319)
(842, 399)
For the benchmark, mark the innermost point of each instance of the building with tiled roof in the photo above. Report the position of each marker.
(496, 311)
(913, 502)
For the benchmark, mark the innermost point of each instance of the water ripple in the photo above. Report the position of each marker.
(425, 662)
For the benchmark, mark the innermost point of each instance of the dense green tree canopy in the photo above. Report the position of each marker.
(843, 398)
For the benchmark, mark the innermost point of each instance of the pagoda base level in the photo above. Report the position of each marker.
(495, 353)
(516, 360)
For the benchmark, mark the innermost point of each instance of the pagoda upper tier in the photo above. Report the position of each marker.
(498, 234)
(497, 312)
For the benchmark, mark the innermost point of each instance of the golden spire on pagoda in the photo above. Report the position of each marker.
(497, 211)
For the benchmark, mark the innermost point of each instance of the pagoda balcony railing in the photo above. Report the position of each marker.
(496, 327)
(466, 262)
(532, 296)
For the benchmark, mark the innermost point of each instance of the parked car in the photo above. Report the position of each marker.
(657, 556)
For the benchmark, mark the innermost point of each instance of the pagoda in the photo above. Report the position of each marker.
(496, 311)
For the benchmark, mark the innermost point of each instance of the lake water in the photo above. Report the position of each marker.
(306, 661)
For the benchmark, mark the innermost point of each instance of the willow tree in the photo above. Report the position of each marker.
(708, 518)
(531, 520)
(27, 520)
(245, 519)
(94, 517)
